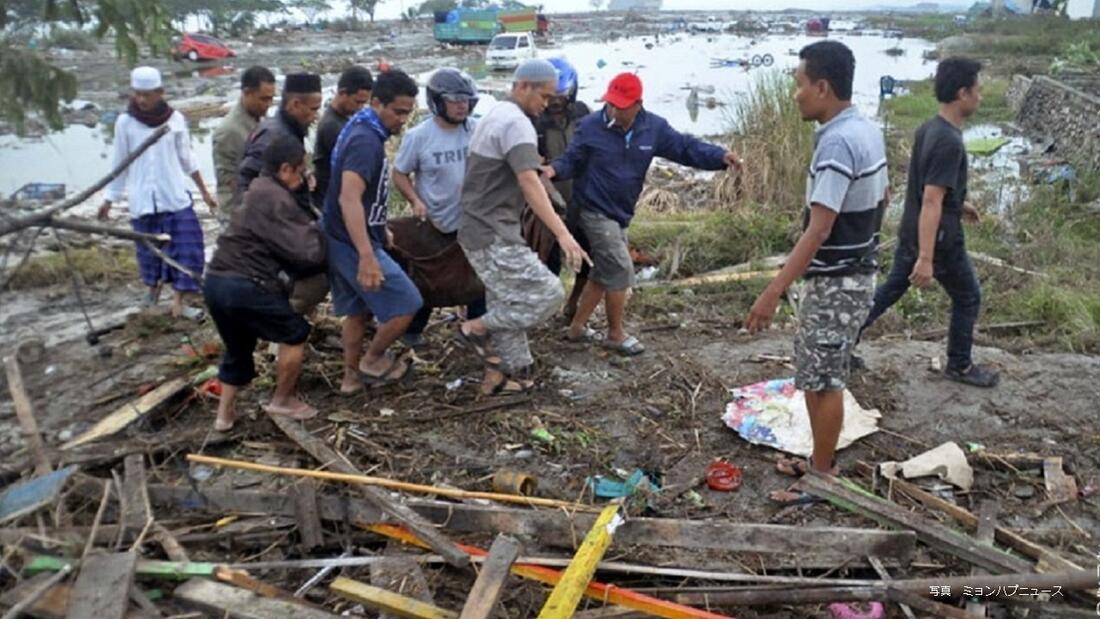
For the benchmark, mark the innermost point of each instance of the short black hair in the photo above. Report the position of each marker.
(393, 84)
(283, 149)
(254, 76)
(354, 79)
(953, 74)
(833, 62)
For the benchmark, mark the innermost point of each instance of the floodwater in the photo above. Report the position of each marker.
(79, 155)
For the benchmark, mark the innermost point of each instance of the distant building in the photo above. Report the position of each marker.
(1083, 9)
(634, 5)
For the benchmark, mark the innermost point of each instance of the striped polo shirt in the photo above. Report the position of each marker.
(848, 175)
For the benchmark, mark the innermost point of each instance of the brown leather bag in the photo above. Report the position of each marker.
(435, 262)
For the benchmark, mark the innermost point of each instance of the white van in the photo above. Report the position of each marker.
(506, 51)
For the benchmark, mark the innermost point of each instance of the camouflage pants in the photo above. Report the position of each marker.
(520, 292)
(829, 319)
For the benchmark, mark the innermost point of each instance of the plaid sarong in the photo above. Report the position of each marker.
(186, 248)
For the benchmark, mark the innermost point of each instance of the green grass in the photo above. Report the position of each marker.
(907, 112)
(93, 264)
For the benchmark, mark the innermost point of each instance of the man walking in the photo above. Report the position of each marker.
(156, 183)
(433, 154)
(609, 157)
(931, 243)
(837, 252)
(257, 93)
(297, 111)
(365, 279)
(502, 175)
(352, 94)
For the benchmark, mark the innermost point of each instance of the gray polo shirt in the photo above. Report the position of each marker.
(436, 156)
(504, 144)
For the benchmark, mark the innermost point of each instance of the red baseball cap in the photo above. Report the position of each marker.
(624, 90)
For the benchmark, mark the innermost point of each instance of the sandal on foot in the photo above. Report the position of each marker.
(387, 377)
(586, 336)
(790, 498)
(300, 414)
(481, 346)
(627, 348)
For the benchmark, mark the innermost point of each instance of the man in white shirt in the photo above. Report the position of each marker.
(159, 196)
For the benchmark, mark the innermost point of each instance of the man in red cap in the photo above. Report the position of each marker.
(608, 160)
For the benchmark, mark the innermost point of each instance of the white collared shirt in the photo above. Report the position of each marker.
(157, 182)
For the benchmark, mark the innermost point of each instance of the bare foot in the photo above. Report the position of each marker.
(350, 384)
(224, 424)
(292, 407)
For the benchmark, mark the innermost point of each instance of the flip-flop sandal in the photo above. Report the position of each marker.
(480, 345)
(793, 498)
(628, 348)
(385, 377)
(510, 386)
(588, 335)
(299, 415)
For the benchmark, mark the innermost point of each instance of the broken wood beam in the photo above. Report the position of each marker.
(608, 594)
(490, 582)
(1082, 580)
(987, 523)
(367, 480)
(102, 589)
(79, 225)
(221, 600)
(134, 498)
(849, 496)
(387, 601)
(130, 412)
(327, 456)
(826, 545)
(1048, 560)
(35, 594)
(310, 533)
(24, 411)
(563, 600)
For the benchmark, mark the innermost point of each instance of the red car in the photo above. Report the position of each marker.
(197, 47)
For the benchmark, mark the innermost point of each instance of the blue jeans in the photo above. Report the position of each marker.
(952, 268)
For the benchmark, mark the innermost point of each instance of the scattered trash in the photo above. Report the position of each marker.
(648, 274)
(773, 413)
(1023, 490)
(509, 481)
(723, 476)
(984, 147)
(857, 610)
(974, 447)
(201, 472)
(605, 488)
(386, 412)
(455, 384)
(27, 496)
(947, 461)
(540, 433)
(601, 63)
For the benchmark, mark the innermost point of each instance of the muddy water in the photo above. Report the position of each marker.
(79, 155)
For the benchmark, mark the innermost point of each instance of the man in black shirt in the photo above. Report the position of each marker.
(931, 244)
(352, 94)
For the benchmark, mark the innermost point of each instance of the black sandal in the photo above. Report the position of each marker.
(383, 379)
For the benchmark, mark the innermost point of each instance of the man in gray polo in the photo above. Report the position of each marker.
(501, 176)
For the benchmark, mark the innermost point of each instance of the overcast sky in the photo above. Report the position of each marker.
(392, 8)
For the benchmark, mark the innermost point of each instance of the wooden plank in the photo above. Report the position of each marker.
(822, 546)
(226, 602)
(1047, 558)
(1061, 488)
(135, 499)
(388, 601)
(328, 457)
(102, 590)
(490, 582)
(987, 524)
(28, 496)
(310, 533)
(129, 412)
(51, 605)
(24, 411)
(402, 575)
(563, 600)
(608, 594)
(849, 496)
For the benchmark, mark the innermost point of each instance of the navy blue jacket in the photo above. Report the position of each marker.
(609, 165)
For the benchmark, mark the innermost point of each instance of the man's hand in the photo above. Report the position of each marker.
(733, 160)
(210, 200)
(104, 210)
(922, 272)
(970, 214)
(762, 311)
(370, 273)
(420, 210)
(548, 172)
(574, 255)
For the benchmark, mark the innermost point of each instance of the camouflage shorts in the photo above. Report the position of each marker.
(833, 310)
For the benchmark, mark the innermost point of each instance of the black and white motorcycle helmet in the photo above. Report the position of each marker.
(452, 84)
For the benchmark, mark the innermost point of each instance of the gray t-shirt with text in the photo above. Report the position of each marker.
(437, 158)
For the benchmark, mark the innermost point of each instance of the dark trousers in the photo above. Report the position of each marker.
(475, 309)
(953, 270)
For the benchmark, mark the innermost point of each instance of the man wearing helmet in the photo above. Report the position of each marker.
(431, 165)
(555, 129)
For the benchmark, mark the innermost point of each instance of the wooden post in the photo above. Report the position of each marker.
(490, 582)
(563, 600)
(987, 524)
(135, 498)
(304, 493)
(25, 412)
